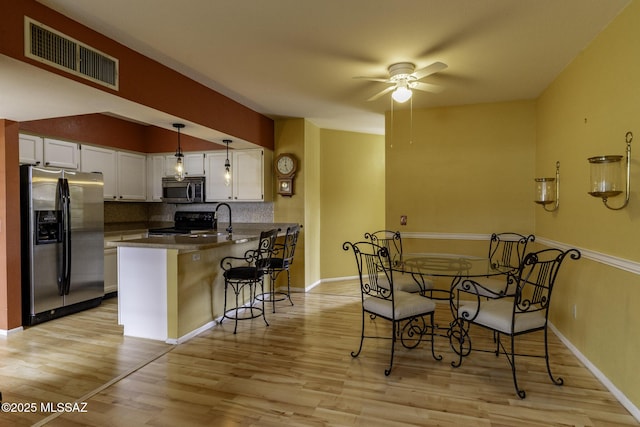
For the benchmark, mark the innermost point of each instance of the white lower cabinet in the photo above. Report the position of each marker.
(111, 258)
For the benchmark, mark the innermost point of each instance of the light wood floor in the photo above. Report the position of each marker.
(298, 372)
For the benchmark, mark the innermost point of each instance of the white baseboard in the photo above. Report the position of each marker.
(191, 334)
(629, 406)
(8, 332)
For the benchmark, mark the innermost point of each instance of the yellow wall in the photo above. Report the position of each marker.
(586, 112)
(352, 195)
(313, 225)
(465, 169)
(289, 136)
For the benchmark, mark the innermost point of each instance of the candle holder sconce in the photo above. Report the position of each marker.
(606, 176)
(548, 191)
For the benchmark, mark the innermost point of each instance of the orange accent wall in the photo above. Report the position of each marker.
(10, 282)
(99, 129)
(141, 79)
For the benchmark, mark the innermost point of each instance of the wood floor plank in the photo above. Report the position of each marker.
(298, 371)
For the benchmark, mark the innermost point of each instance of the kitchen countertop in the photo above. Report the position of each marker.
(242, 233)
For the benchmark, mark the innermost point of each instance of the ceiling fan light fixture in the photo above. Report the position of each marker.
(401, 94)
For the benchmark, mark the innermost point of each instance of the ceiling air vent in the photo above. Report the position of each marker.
(56, 49)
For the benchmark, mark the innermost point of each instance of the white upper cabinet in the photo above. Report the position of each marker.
(96, 159)
(215, 188)
(35, 150)
(132, 176)
(31, 150)
(193, 164)
(124, 173)
(155, 172)
(61, 154)
(247, 179)
(251, 176)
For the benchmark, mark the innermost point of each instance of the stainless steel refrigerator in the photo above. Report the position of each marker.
(62, 217)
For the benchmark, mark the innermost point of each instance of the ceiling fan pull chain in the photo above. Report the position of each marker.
(411, 121)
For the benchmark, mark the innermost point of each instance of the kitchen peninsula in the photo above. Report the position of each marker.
(171, 288)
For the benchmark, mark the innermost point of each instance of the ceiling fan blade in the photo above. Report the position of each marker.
(373, 79)
(430, 69)
(379, 94)
(427, 87)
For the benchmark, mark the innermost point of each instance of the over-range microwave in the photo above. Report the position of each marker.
(189, 190)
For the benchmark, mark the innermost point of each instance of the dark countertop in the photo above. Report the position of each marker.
(242, 233)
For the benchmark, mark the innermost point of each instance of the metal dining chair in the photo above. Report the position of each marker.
(523, 310)
(411, 315)
(506, 252)
(392, 241)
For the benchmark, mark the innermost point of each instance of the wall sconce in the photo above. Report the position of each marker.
(179, 165)
(227, 165)
(548, 191)
(606, 175)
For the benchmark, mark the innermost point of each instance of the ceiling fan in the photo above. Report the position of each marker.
(403, 77)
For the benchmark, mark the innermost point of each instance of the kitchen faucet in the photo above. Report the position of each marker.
(229, 228)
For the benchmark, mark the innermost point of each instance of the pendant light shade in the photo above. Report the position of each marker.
(227, 165)
(179, 167)
(401, 94)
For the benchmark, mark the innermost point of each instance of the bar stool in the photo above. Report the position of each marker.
(247, 272)
(281, 261)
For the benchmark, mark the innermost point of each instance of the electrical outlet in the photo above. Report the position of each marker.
(195, 257)
(403, 220)
(575, 311)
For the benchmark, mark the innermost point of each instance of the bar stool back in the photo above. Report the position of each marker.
(247, 273)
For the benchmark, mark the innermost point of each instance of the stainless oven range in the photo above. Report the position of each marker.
(185, 222)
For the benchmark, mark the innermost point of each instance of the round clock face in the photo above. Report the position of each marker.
(285, 165)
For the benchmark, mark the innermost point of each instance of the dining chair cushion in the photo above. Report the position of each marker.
(277, 263)
(496, 314)
(406, 283)
(406, 305)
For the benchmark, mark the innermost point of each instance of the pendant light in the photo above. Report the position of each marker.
(179, 165)
(227, 165)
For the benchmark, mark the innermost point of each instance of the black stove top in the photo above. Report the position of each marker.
(186, 222)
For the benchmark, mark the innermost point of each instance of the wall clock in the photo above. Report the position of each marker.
(286, 167)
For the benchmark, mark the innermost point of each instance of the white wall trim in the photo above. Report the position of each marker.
(444, 236)
(610, 260)
(629, 406)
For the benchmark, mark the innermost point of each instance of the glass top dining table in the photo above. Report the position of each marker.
(424, 266)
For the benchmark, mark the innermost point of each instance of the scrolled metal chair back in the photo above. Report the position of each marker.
(372, 261)
(536, 278)
(508, 249)
(289, 244)
(391, 240)
(262, 255)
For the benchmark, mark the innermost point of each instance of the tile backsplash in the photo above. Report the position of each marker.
(119, 212)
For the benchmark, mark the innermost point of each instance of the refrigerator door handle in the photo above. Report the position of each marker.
(66, 245)
(62, 256)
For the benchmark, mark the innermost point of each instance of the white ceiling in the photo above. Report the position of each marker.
(297, 58)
